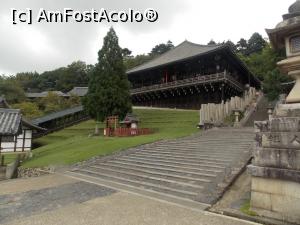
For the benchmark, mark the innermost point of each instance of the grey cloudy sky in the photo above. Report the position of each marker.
(46, 46)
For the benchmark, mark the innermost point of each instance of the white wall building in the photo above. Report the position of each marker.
(15, 133)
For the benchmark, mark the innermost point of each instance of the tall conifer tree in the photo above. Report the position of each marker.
(108, 92)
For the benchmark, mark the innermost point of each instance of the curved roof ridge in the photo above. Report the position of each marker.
(184, 50)
(201, 45)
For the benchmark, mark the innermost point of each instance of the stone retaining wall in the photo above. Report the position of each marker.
(33, 172)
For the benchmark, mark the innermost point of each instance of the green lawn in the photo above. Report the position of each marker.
(73, 144)
(9, 158)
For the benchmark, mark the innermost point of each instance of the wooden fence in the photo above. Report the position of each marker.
(216, 113)
(125, 132)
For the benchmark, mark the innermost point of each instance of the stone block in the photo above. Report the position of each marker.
(285, 204)
(279, 139)
(12, 169)
(274, 173)
(288, 110)
(261, 200)
(276, 187)
(283, 158)
(291, 189)
(285, 124)
(276, 198)
(270, 186)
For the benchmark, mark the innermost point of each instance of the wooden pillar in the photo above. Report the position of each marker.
(223, 100)
(23, 144)
(16, 140)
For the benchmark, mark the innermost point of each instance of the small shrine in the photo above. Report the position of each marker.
(130, 121)
(127, 127)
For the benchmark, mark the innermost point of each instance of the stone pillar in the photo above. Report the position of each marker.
(275, 170)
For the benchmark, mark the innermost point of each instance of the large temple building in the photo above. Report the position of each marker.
(190, 75)
(184, 77)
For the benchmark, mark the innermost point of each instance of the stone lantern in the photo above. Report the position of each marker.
(287, 35)
(270, 109)
(275, 169)
(237, 114)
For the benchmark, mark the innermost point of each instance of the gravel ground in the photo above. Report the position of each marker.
(14, 206)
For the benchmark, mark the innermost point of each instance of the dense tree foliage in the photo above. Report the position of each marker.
(28, 80)
(255, 44)
(162, 48)
(263, 65)
(262, 62)
(133, 61)
(53, 102)
(11, 89)
(261, 59)
(126, 53)
(272, 84)
(61, 79)
(211, 42)
(242, 46)
(29, 110)
(108, 92)
(65, 78)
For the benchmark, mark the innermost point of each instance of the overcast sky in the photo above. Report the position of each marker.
(46, 46)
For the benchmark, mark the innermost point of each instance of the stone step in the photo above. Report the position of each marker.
(162, 186)
(204, 161)
(233, 146)
(200, 158)
(237, 143)
(211, 152)
(190, 181)
(216, 137)
(167, 173)
(152, 178)
(158, 165)
(151, 192)
(194, 155)
(197, 165)
(190, 169)
(160, 169)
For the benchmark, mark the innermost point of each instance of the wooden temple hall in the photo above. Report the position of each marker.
(190, 75)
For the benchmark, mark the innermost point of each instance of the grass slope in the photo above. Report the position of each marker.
(72, 144)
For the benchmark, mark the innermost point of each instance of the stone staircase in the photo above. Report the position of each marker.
(260, 114)
(193, 171)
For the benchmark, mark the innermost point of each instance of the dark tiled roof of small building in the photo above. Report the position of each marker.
(130, 118)
(10, 121)
(45, 94)
(79, 91)
(183, 51)
(56, 115)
